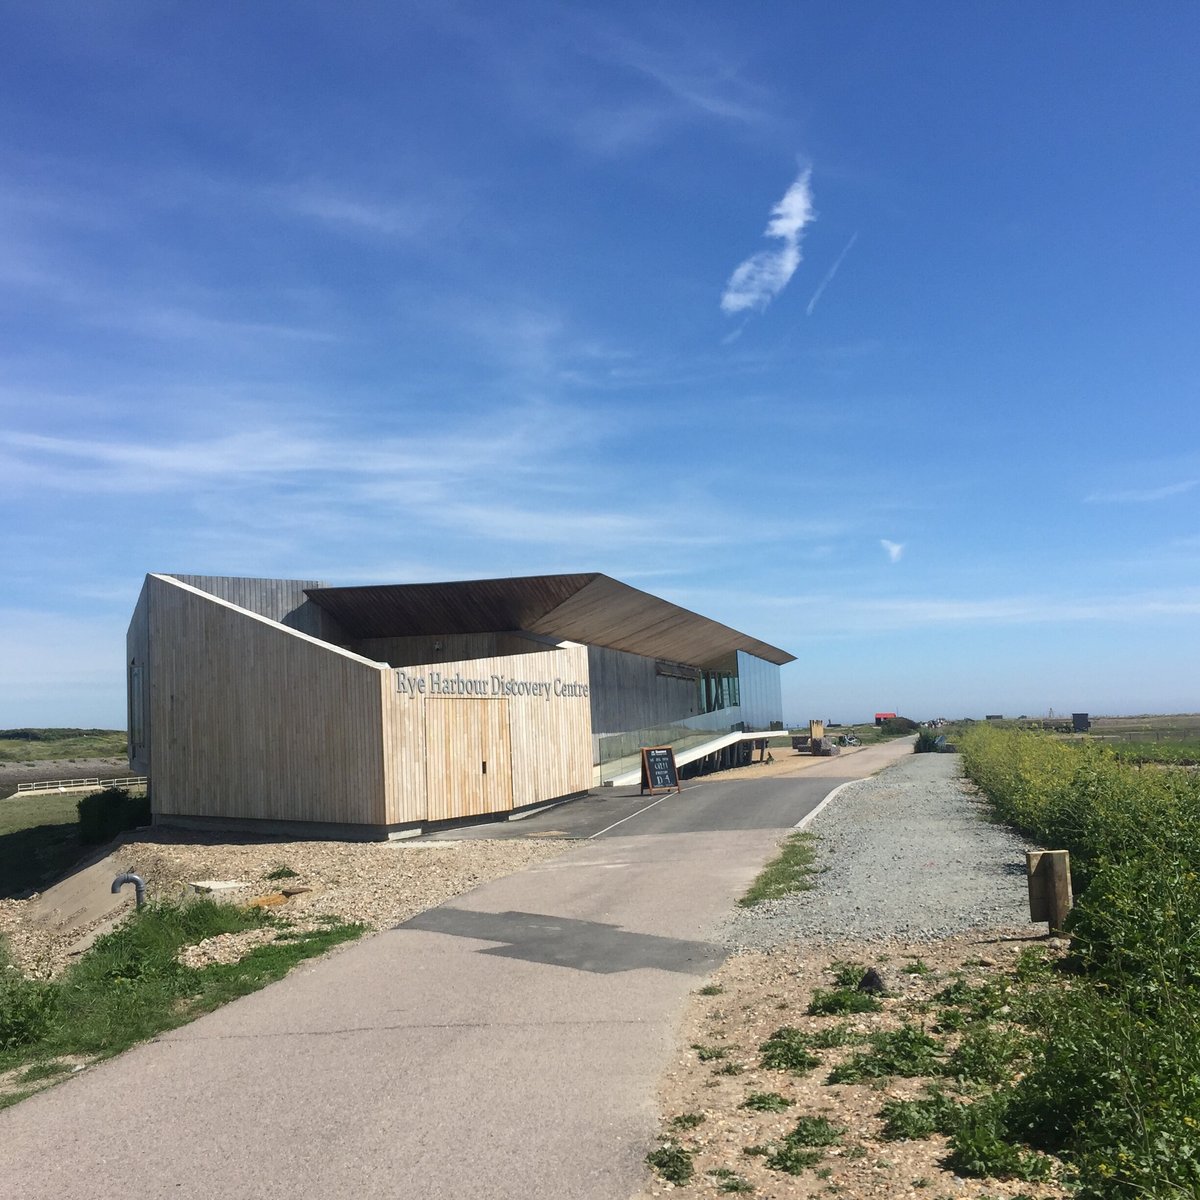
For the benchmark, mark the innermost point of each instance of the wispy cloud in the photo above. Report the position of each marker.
(894, 550)
(1142, 495)
(778, 616)
(705, 86)
(406, 218)
(812, 304)
(762, 276)
(268, 490)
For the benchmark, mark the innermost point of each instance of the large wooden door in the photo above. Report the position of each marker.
(468, 758)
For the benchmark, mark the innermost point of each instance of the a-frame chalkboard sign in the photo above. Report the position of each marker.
(659, 773)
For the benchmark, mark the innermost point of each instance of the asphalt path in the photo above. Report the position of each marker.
(507, 1044)
(706, 804)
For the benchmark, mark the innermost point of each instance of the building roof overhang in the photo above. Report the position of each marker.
(590, 608)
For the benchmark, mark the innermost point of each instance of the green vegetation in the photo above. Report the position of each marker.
(847, 974)
(787, 1049)
(104, 814)
(730, 1181)
(815, 1131)
(802, 1147)
(42, 837)
(766, 1102)
(1178, 754)
(130, 986)
(709, 1053)
(841, 1000)
(29, 745)
(935, 1112)
(283, 872)
(790, 872)
(905, 1051)
(39, 841)
(687, 1120)
(711, 989)
(672, 1162)
(791, 1158)
(1111, 1084)
(987, 1054)
(981, 1144)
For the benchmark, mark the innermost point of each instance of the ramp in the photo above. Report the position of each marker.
(692, 753)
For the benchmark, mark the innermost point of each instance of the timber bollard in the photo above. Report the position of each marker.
(1049, 876)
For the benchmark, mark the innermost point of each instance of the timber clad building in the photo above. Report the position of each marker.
(370, 712)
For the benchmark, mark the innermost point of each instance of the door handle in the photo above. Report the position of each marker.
(485, 766)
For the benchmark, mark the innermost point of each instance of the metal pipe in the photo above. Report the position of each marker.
(139, 886)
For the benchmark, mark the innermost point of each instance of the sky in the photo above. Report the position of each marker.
(867, 329)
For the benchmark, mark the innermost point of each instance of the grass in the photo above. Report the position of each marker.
(791, 871)
(39, 841)
(283, 872)
(129, 986)
(31, 745)
(43, 1070)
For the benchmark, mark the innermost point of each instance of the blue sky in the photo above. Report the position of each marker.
(867, 329)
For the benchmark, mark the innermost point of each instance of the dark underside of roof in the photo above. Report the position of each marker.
(590, 608)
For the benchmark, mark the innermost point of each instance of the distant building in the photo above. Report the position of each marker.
(1080, 722)
(881, 717)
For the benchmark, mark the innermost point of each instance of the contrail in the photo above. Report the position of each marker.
(829, 276)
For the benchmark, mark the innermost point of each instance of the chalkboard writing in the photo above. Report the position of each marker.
(659, 772)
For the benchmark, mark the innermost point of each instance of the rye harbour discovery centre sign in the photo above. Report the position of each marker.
(438, 683)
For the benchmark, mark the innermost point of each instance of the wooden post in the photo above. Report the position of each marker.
(1049, 877)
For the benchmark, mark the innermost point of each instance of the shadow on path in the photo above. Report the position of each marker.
(565, 942)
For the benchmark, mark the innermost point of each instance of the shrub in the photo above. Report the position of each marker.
(102, 815)
(988, 1054)
(899, 725)
(979, 1145)
(927, 743)
(1111, 1084)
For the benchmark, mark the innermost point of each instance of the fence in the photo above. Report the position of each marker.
(78, 785)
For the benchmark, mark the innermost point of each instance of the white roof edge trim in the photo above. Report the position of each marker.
(246, 612)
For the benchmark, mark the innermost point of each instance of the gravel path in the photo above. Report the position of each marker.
(907, 854)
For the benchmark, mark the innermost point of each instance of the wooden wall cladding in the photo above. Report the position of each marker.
(253, 720)
(550, 734)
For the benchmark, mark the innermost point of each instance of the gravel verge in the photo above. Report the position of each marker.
(907, 854)
(914, 880)
(379, 884)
